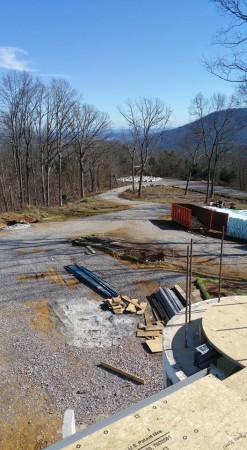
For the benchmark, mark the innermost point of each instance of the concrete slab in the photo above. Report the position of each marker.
(225, 326)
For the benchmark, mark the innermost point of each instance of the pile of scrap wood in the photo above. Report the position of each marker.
(124, 304)
(152, 330)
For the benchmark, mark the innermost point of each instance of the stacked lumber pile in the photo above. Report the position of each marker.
(152, 330)
(124, 304)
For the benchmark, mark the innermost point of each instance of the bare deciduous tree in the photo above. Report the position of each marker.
(17, 98)
(147, 119)
(90, 128)
(64, 98)
(215, 130)
(192, 147)
(232, 65)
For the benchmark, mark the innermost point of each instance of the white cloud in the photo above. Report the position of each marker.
(55, 75)
(11, 58)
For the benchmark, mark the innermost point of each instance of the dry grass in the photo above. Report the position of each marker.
(83, 208)
(169, 194)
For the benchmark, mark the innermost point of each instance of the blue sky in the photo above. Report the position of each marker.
(111, 50)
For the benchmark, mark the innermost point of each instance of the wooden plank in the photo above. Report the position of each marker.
(143, 308)
(144, 333)
(134, 301)
(91, 249)
(141, 326)
(123, 372)
(154, 328)
(131, 308)
(117, 300)
(180, 293)
(148, 319)
(155, 314)
(155, 345)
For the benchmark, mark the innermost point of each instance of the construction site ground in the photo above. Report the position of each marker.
(54, 331)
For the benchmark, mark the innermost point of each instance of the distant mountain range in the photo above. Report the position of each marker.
(173, 138)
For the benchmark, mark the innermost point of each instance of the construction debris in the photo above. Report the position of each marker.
(155, 345)
(91, 249)
(152, 330)
(123, 372)
(165, 304)
(144, 333)
(123, 303)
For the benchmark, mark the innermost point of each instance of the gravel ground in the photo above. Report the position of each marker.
(54, 333)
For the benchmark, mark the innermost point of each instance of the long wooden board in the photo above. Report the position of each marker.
(123, 372)
(134, 301)
(148, 319)
(144, 333)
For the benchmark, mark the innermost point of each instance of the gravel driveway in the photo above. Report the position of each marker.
(54, 332)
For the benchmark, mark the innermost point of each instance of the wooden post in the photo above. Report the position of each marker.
(221, 258)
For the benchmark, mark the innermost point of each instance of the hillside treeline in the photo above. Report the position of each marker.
(53, 146)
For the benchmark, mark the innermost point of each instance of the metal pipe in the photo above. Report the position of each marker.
(221, 259)
(186, 304)
(187, 284)
(190, 278)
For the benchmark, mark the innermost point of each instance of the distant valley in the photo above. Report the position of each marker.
(173, 138)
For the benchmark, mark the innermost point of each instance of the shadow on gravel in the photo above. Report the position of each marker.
(167, 225)
(42, 242)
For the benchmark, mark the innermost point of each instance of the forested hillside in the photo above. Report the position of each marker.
(55, 147)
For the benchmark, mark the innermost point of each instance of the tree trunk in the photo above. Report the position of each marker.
(3, 187)
(43, 177)
(60, 199)
(92, 180)
(187, 183)
(212, 186)
(208, 182)
(213, 179)
(133, 175)
(82, 180)
(140, 181)
(20, 181)
(28, 169)
(48, 186)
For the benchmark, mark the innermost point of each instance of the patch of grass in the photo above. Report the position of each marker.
(200, 283)
(131, 258)
(171, 194)
(82, 208)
